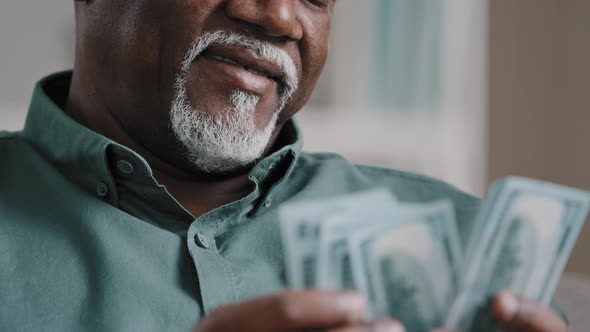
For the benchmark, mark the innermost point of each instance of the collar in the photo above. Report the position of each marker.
(93, 161)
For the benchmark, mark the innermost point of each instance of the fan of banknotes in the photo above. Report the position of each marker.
(408, 261)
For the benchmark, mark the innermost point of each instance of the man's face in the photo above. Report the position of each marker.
(204, 84)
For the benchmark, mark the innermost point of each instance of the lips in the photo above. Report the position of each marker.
(247, 59)
(236, 67)
(255, 71)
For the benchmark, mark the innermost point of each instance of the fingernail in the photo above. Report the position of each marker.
(389, 328)
(509, 303)
(351, 303)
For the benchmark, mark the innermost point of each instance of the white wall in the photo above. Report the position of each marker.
(36, 38)
(448, 142)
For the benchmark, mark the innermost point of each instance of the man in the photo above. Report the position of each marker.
(142, 194)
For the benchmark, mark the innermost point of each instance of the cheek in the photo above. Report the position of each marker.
(313, 50)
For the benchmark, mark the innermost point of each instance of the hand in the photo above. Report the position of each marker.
(296, 311)
(520, 315)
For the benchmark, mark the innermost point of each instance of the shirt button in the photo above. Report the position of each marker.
(125, 166)
(202, 241)
(102, 189)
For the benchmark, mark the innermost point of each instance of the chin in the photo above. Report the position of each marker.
(214, 175)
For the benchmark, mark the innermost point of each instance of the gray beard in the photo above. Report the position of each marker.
(230, 139)
(222, 143)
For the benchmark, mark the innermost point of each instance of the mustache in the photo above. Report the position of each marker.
(265, 50)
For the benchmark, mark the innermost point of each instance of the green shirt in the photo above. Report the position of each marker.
(90, 241)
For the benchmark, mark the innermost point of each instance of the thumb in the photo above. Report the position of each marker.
(527, 316)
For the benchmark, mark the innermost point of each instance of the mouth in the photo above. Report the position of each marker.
(242, 68)
(256, 71)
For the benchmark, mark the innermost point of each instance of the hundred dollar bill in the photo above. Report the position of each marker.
(300, 230)
(522, 239)
(333, 263)
(334, 270)
(414, 266)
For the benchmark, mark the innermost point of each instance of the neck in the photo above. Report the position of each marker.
(196, 192)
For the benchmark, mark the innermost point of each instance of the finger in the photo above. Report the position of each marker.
(288, 311)
(526, 316)
(382, 325)
(387, 325)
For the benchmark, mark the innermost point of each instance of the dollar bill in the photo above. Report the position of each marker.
(413, 266)
(300, 230)
(334, 269)
(522, 239)
(333, 263)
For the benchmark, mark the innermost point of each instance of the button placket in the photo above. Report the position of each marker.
(216, 281)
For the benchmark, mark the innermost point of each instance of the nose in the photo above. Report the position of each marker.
(274, 18)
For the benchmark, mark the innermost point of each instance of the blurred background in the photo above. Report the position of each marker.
(462, 90)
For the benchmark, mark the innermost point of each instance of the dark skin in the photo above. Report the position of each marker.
(127, 58)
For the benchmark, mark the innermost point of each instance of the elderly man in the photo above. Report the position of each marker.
(142, 194)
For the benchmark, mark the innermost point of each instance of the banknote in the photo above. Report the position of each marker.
(360, 241)
(300, 230)
(333, 267)
(414, 267)
(334, 270)
(522, 239)
(407, 259)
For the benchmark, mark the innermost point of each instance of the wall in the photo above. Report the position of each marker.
(539, 96)
(36, 38)
(447, 141)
